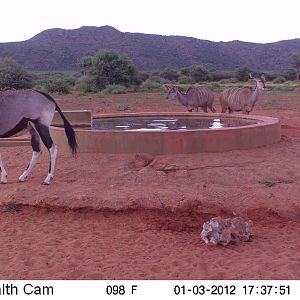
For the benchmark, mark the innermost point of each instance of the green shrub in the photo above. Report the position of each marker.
(199, 73)
(109, 67)
(115, 89)
(282, 88)
(86, 84)
(185, 71)
(279, 79)
(184, 79)
(242, 73)
(150, 85)
(228, 80)
(215, 86)
(143, 76)
(218, 75)
(155, 73)
(57, 85)
(155, 78)
(169, 74)
(54, 82)
(13, 75)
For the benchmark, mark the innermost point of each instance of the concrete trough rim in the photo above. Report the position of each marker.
(263, 120)
(266, 131)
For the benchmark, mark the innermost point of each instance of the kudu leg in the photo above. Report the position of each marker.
(212, 108)
(3, 172)
(224, 109)
(35, 144)
(52, 148)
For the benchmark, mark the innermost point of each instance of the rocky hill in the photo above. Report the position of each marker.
(60, 49)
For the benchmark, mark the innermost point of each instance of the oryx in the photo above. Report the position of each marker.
(32, 111)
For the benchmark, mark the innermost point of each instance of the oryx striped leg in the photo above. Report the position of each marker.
(53, 154)
(52, 148)
(35, 144)
(3, 172)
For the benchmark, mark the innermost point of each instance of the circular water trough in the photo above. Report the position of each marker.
(244, 132)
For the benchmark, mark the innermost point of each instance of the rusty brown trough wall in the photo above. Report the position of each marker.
(78, 118)
(266, 131)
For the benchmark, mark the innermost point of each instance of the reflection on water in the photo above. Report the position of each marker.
(162, 124)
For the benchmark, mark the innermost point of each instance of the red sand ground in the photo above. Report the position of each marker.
(135, 216)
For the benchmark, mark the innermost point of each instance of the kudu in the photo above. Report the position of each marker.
(32, 111)
(244, 98)
(193, 98)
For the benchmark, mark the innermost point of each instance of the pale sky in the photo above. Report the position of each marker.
(260, 21)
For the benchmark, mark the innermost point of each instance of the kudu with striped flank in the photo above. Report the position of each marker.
(193, 98)
(244, 98)
(32, 111)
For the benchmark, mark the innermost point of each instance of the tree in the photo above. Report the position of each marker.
(199, 73)
(242, 73)
(13, 75)
(296, 64)
(85, 63)
(108, 67)
(185, 71)
(169, 74)
(196, 73)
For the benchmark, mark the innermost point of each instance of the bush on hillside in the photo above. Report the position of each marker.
(56, 85)
(228, 80)
(86, 84)
(116, 89)
(143, 76)
(242, 73)
(183, 79)
(279, 79)
(109, 67)
(197, 72)
(218, 75)
(150, 85)
(169, 74)
(14, 75)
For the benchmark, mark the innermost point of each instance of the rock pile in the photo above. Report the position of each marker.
(224, 232)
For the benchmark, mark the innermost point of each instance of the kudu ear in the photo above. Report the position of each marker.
(250, 76)
(167, 87)
(263, 77)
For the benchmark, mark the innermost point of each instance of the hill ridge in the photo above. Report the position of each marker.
(59, 49)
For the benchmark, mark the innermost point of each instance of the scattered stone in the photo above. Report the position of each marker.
(224, 232)
(140, 160)
(271, 183)
(268, 183)
(182, 173)
(11, 207)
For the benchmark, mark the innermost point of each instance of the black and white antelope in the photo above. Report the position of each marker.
(32, 111)
(244, 98)
(193, 98)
